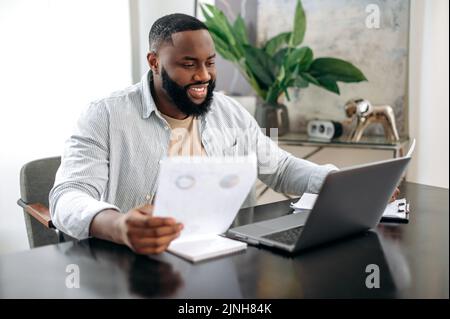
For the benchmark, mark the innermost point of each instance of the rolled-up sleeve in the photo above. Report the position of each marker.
(76, 196)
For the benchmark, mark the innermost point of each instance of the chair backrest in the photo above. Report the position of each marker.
(36, 181)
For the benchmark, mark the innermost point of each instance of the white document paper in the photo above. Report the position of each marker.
(205, 194)
(306, 202)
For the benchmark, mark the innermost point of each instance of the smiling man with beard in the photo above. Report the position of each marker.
(109, 168)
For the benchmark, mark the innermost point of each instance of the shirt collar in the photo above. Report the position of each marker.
(148, 103)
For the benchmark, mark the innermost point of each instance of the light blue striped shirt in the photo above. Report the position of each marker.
(111, 160)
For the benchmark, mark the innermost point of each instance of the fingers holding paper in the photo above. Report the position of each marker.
(146, 234)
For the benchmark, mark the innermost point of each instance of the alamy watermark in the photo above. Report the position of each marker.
(373, 277)
(232, 143)
(373, 18)
(73, 279)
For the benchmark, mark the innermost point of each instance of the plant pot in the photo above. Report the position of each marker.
(271, 115)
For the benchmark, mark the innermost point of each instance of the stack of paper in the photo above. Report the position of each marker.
(396, 211)
(205, 247)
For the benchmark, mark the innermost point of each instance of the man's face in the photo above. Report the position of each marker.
(187, 70)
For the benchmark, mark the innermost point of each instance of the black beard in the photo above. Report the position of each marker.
(179, 96)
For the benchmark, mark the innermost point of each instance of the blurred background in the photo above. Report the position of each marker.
(58, 55)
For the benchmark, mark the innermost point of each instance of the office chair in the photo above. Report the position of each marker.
(36, 181)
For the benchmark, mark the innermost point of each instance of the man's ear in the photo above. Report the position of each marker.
(153, 62)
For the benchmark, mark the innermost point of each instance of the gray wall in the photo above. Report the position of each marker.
(229, 79)
(142, 15)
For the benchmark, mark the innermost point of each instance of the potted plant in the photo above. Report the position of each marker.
(280, 63)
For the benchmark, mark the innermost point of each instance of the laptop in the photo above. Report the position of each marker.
(351, 201)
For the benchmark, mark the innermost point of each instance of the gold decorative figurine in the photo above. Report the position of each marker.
(366, 114)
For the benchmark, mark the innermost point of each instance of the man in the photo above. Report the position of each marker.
(108, 173)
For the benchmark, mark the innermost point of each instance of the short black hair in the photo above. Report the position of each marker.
(163, 28)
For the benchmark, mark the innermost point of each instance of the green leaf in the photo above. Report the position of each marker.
(306, 61)
(240, 31)
(282, 74)
(278, 61)
(329, 85)
(254, 83)
(206, 13)
(260, 64)
(214, 29)
(298, 33)
(323, 82)
(336, 69)
(221, 43)
(300, 82)
(287, 94)
(279, 57)
(222, 48)
(309, 78)
(273, 93)
(277, 41)
(218, 24)
(301, 57)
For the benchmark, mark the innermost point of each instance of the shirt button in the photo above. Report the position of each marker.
(166, 128)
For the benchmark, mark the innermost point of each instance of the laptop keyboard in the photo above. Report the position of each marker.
(288, 237)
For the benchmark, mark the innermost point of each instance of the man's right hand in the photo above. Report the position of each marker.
(146, 234)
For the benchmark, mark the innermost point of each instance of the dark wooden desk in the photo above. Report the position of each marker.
(412, 261)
